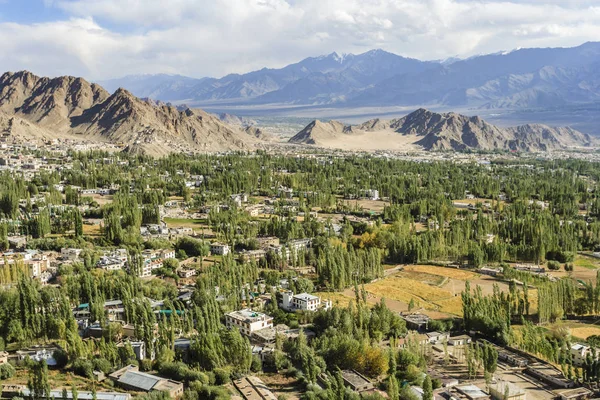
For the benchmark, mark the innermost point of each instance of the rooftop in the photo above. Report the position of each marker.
(354, 378)
(247, 315)
(145, 382)
(416, 318)
(306, 297)
(472, 391)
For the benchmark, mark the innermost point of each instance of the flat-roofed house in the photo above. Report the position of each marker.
(248, 321)
(356, 381)
(303, 301)
(130, 378)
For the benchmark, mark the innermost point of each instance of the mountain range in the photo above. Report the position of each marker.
(423, 129)
(523, 78)
(39, 108)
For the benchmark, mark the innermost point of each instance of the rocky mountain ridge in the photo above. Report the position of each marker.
(69, 107)
(446, 131)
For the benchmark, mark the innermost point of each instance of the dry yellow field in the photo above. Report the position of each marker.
(400, 289)
(424, 277)
(585, 331)
(368, 205)
(338, 298)
(451, 306)
(424, 285)
(425, 296)
(477, 200)
(91, 230)
(453, 273)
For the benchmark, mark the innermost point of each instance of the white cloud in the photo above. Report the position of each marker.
(108, 38)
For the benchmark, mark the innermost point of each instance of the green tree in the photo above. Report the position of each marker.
(427, 388)
(38, 384)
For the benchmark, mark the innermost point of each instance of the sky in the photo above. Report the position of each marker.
(102, 39)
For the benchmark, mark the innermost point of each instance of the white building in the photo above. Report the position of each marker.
(186, 272)
(437, 337)
(299, 244)
(113, 260)
(372, 194)
(248, 321)
(167, 254)
(579, 353)
(303, 301)
(219, 249)
(70, 254)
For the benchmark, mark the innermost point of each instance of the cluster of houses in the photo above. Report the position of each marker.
(129, 378)
(35, 263)
(259, 328)
(118, 259)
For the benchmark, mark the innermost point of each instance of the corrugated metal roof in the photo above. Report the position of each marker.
(139, 380)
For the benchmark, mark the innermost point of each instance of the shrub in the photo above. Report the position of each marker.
(102, 364)
(61, 357)
(256, 365)
(553, 265)
(145, 365)
(569, 267)
(83, 368)
(222, 376)
(181, 372)
(6, 371)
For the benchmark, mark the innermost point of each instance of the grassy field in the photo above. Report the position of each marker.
(184, 223)
(430, 279)
(436, 290)
(578, 330)
(101, 199)
(338, 298)
(583, 332)
(452, 273)
(426, 296)
(401, 289)
(368, 205)
(91, 230)
(451, 306)
(587, 262)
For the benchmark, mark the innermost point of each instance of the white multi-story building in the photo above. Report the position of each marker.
(166, 254)
(299, 244)
(219, 249)
(248, 321)
(303, 301)
(579, 353)
(153, 260)
(70, 254)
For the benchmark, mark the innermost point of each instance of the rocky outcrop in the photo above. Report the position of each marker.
(73, 106)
